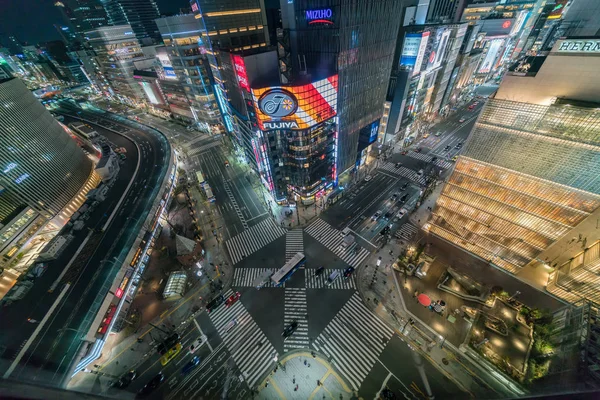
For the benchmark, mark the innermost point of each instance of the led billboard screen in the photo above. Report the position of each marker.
(296, 107)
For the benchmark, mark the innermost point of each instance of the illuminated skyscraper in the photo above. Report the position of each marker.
(526, 190)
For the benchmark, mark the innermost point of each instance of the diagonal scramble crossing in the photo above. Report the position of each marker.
(245, 341)
(253, 239)
(354, 340)
(332, 238)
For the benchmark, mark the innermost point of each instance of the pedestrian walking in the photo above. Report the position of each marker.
(296, 388)
(305, 362)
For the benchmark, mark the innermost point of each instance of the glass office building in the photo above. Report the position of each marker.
(527, 177)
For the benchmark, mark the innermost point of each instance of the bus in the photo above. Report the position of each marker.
(262, 279)
(209, 194)
(288, 269)
(200, 178)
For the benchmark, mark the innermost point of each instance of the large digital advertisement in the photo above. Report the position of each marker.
(296, 107)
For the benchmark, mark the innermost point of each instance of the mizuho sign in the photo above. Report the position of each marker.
(579, 46)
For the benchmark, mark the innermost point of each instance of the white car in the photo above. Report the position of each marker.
(461, 120)
(197, 344)
(420, 172)
(376, 216)
(368, 178)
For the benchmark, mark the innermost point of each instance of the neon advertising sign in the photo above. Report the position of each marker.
(278, 103)
(240, 72)
(322, 16)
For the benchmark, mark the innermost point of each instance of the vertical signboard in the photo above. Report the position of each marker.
(410, 49)
(421, 53)
(240, 72)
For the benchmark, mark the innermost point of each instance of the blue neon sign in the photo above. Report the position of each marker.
(319, 16)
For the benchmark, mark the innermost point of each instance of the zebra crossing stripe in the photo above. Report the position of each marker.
(248, 277)
(203, 148)
(420, 156)
(403, 171)
(246, 342)
(236, 207)
(354, 339)
(406, 231)
(294, 243)
(295, 309)
(332, 239)
(317, 282)
(253, 239)
(443, 164)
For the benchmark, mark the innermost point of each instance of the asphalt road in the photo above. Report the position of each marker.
(236, 200)
(50, 354)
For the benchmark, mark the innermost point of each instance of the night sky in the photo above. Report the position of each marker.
(32, 20)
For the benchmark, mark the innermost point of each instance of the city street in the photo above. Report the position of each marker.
(71, 309)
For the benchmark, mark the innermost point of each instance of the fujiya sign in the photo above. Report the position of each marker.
(278, 103)
(280, 125)
(579, 46)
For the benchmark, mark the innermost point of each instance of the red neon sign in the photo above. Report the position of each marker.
(194, 7)
(240, 71)
(119, 292)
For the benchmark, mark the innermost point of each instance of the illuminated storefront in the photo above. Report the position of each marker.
(295, 142)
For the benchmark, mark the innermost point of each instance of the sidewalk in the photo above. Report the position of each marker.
(302, 375)
(385, 298)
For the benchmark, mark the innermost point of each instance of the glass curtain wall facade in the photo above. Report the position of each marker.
(42, 167)
(233, 25)
(367, 35)
(528, 176)
(182, 36)
(139, 14)
(116, 49)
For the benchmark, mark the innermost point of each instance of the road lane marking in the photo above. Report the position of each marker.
(36, 332)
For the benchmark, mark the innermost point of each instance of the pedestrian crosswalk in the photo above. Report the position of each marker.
(294, 243)
(443, 163)
(295, 309)
(419, 156)
(353, 340)
(253, 277)
(236, 207)
(253, 239)
(403, 171)
(427, 158)
(332, 239)
(245, 341)
(206, 147)
(406, 231)
(317, 282)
